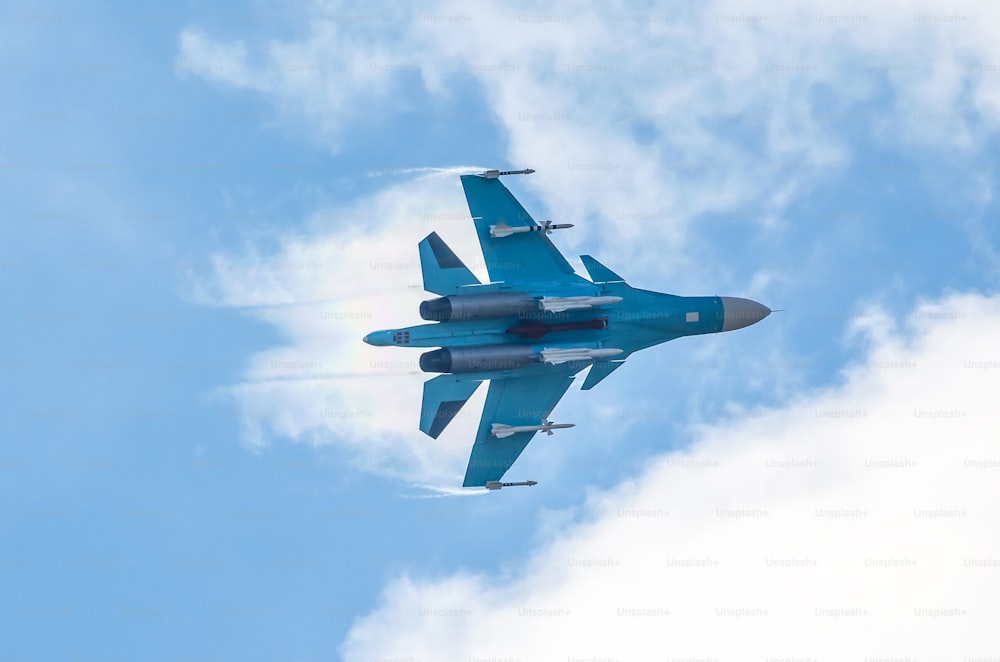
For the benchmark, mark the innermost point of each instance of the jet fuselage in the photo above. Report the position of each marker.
(641, 318)
(532, 328)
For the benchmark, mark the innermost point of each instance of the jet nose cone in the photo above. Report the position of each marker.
(738, 313)
(378, 338)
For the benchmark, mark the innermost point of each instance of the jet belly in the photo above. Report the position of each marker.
(441, 334)
(652, 313)
(575, 326)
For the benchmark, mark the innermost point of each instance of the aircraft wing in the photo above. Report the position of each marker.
(526, 400)
(521, 257)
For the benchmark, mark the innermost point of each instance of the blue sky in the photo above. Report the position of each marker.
(201, 460)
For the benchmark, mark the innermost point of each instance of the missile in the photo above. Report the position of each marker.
(496, 484)
(560, 304)
(535, 329)
(564, 355)
(501, 430)
(493, 174)
(504, 230)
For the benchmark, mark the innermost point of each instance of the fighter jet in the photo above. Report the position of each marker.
(532, 328)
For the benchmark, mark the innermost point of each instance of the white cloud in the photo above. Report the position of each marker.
(642, 118)
(332, 78)
(348, 273)
(856, 522)
(638, 121)
(219, 62)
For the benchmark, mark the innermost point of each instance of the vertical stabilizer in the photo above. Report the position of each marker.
(443, 271)
(598, 272)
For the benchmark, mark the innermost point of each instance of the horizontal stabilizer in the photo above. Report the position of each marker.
(599, 371)
(444, 396)
(598, 272)
(443, 271)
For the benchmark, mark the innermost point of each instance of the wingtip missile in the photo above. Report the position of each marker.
(503, 230)
(501, 430)
(493, 174)
(496, 484)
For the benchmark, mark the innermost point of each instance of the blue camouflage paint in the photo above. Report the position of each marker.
(485, 331)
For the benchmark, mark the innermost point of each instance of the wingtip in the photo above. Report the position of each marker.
(495, 174)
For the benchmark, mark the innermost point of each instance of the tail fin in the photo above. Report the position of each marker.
(444, 396)
(598, 272)
(443, 271)
(599, 371)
